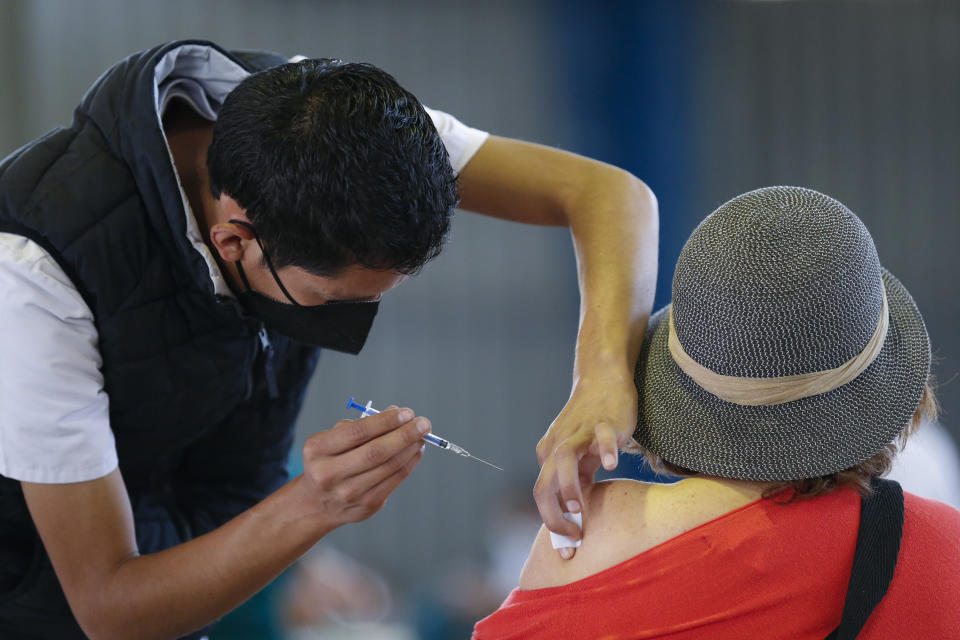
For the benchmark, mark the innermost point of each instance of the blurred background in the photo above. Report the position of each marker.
(701, 99)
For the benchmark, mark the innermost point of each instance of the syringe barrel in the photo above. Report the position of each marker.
(436, 440)
(445, 444)
(432, 439)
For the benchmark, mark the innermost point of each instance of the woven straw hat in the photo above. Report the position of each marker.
(778, 297)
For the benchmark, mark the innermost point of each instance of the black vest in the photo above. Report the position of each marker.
(198, 435)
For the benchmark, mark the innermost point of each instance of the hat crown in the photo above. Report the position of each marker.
(776, 282)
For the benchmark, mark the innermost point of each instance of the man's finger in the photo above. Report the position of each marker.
(587, 469)
(548, 503)
(606, 438)
(354, 487)
(379, 493)
(568, 476)
(379, 450)
(544, 448)
(370, 501)
(350, 434)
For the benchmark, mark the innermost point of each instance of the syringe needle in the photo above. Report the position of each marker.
(485, 462)
(463, 452)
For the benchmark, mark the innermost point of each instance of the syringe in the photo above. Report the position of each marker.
(435, 440)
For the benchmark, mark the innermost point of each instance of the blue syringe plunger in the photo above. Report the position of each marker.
(353, 404)
(364, 410)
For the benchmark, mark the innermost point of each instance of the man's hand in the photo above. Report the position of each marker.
(599, 417)
(350, 469)
(87, 529)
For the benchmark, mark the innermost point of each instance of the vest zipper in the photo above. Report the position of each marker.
(268, 371)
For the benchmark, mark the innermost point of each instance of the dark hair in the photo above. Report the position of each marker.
(857, 477)
(336, 164)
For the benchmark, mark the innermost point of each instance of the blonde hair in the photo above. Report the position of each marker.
(857, 477)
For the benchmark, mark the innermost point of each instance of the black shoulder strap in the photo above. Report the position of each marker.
(875, 558)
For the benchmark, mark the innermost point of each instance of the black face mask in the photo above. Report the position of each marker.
(341, 326)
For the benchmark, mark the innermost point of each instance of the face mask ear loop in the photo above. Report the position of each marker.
(243, 276)
(266, 257)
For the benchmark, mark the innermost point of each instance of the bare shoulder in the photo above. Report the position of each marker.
(623, 518)
(609, 508)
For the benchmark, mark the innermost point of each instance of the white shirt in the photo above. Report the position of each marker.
(54, 412)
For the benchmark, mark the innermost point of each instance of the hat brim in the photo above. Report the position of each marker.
(684, 424)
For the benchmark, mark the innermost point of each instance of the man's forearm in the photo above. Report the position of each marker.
(615, 229)
(173, 592)
(87, 529)
(613, 219)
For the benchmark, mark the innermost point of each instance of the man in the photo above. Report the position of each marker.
(168, 266)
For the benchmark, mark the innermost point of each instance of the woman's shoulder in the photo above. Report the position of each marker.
(922, 598)
(623, 518)
(930, 507)
(931, 520)
(605, 506)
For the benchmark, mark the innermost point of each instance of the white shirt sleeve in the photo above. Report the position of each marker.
(54, 412)
(461, 141)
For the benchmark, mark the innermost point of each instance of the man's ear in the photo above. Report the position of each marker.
(230, 240)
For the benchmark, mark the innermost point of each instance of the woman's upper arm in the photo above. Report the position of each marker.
(607, 511)
(542, 563)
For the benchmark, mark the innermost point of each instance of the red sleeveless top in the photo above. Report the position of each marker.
(765, 570)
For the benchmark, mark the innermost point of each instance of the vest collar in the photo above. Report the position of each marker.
(126, 104)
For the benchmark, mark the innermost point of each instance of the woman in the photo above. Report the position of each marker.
(780, 383)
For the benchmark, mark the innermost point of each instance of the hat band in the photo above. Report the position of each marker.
(770, 391)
